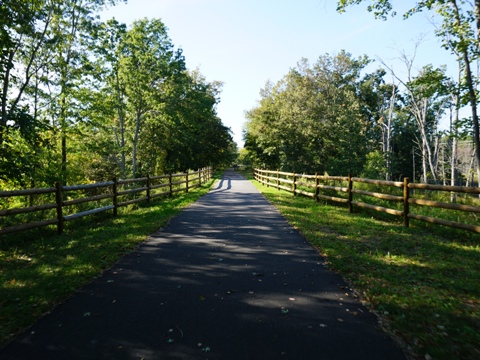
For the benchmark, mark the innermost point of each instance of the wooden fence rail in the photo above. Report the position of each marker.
(120, 192)
(342, 190)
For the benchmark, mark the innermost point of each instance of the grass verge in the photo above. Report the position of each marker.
(422, 283)
(39, 269)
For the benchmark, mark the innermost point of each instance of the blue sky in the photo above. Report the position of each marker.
(244, 43)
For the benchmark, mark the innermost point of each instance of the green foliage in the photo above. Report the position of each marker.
(458, 29)
(374, 167)
(86, 101)
(245, 159)
(380, 8)
(312, 119)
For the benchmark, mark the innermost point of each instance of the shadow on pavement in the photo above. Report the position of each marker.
(228, 278)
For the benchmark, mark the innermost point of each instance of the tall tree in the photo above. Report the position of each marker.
(147, 63)
(312, 120)
(72, 24)
(107, 46)
(460, 32)
(21, 37)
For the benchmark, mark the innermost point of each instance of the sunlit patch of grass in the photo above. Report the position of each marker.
(39, 269)
(422, 281)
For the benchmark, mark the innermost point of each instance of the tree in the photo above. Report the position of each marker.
(312, 119)
(379, 101)
(20, 21)
(72, 25)
(147, 62)
(460, 33)
(42, 59)
(111, 98)
(81, 99)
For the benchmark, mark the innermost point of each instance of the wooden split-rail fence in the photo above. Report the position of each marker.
(299, 184)
(121, 192)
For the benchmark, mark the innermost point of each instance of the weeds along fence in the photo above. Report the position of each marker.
(64, 203)
(452, 206)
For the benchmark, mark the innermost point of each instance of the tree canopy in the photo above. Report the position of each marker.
(459, 30)
(85, 100)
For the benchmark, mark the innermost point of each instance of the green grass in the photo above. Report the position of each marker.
(422, 281)
(39, 269)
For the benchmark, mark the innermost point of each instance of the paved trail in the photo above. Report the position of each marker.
(229, 278)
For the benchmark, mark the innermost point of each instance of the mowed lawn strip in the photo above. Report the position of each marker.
(423, 282)
(39, 269)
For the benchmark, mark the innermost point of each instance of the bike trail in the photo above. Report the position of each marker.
(228, 278)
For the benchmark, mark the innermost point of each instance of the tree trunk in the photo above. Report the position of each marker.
(386, 148)
(424, 163)
(6, 80)
(470, 84)
(63, 135)
(454, 141)
(121, 124)
(135, 141)
(454, 134)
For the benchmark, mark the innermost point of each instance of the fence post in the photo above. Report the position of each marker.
(278, 179)
(186, 182)
(350, 194)
(115, 196)
(317, 190)
(170, 184)
(59, 200)
(294, 184)
(406, 204)
(200, 177)
(148, 189)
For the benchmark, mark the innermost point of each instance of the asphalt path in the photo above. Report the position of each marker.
(228, 278)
